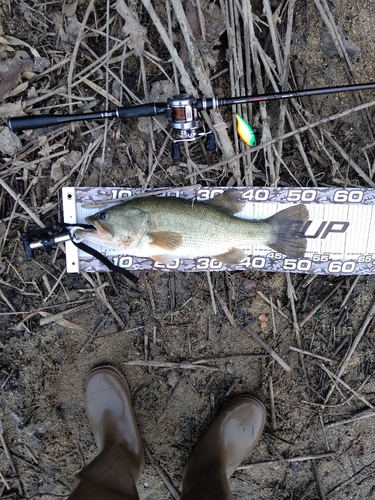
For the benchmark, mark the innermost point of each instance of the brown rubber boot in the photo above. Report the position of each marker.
(113, 473)
(232, 435)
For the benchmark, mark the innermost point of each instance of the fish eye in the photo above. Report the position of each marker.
(103, 216)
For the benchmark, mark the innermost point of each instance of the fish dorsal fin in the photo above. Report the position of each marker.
(168, 240)
(228, 201)
(233, 256)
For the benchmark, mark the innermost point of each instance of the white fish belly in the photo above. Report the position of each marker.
(199, 245)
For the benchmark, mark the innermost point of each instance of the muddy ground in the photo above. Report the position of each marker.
(318, 442)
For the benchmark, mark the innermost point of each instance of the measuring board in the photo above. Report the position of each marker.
(339, 231)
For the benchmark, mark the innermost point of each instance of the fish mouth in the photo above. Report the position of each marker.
(99, 227)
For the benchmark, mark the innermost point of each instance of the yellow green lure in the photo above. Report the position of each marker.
(245, 131)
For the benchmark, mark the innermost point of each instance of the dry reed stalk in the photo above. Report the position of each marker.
(331, 25)
(205, 86)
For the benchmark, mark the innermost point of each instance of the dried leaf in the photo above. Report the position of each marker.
(62, 322)
(27, 75)
(214, 25)
(11, 71)
(69, 324)
(160, 91)
(132, 28)
(3, 230)
(70, 7)
(155, 350)
(263, 321)
(249, 285)
(240, 389)
(18, 90)
(57, 171)
(11, 109)
(12, 40)
(173, 378)
(101, 91)
(173, 169)
(9, 142)
(67, 27)
(358, 448)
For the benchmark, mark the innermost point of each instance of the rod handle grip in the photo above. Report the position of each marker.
(142, 110)
(39, 121)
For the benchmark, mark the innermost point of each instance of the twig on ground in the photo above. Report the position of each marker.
(230, 357)
(302, 458)
(5, 482)
(6, 381)
(359, 416)
(364, 469)
(266, 132)
(73, 57)
(369, 317)
(273, 318)
(179, 366)
(272, 400)
(168, 9)
(7, 301)
(268, 301)
(318, 480)
(58, 281)
(212, 293)
(164, 477)
(55, 317)
(21, 203)
(323, 358)
(296, 327)
(100, 294)
(350, 291)
(162, 414)
(348, 158)
(338, 379)
(184, 76)
(325, 12)
(268, 349)
(225, 309)
(324, 432)
(11, 461)
(321, 303)
(23, 461)
(145, 344)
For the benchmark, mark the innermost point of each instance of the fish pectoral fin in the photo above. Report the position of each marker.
(164, 259)
(168, 240)
(233, 256)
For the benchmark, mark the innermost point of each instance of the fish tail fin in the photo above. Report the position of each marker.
(288, 238)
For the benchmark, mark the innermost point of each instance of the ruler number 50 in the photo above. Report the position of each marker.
(305, 195)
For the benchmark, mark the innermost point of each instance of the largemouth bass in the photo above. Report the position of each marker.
(167, 228)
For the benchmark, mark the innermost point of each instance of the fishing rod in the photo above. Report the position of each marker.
(182, 111)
